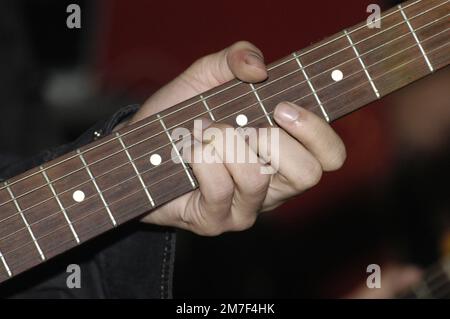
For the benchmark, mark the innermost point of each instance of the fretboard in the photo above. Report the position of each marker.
(65, 202)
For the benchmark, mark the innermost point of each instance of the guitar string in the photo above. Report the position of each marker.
(146, 204)
(142, 173)
(169, 144)
(217, 107)
(225, 89)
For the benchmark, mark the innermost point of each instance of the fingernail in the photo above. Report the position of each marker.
(254, 59)
(287, 112)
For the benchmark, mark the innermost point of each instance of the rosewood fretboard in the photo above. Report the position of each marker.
(50, 209)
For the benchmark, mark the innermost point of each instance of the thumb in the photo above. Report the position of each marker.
(241, 60)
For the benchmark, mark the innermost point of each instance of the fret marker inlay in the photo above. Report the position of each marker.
(325, 114)
(191, 179)
(241, 120)
(135, 170)
(63, 210)
(337, 75)
(155, 159)
(78, 196)
(5, 265)
(30, 231)
(377, 93)
(261, 104)
(416, 38)
(88, 170)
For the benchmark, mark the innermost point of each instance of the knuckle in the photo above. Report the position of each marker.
(200, 74)
(313, 175)
(244, 223)
(221, 194)
(336, 158)
(243, 44)
(256, 183)
(210, 70)
(210, 226)
(211, 230)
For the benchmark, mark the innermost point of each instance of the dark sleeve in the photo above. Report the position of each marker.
(133, 261)
(11, 166)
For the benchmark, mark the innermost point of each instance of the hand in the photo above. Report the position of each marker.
(230, 195)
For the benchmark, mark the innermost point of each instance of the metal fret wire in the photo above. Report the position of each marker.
(416, 38)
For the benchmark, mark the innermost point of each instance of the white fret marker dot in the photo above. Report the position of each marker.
(241, 120)
(155, 159)
(337, 75)
(78, 196)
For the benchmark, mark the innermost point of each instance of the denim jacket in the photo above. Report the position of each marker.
(134, 261)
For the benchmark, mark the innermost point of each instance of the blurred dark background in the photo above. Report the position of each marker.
(389, 204)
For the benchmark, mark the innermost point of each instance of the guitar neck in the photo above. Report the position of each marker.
(53, 208)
